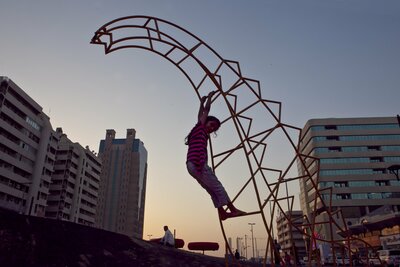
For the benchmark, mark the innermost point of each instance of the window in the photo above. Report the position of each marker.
(359, 196)
(382, 183)
(378, 171)
(391, 159)
(376, 159)
(341, 184)
(361, 183)
(355, 148)
(344, 160)
(367, 126)
(330, 127)
(326, 184)
(349, 172)
(32, 123)
(374, 196)
(390, 148)
(354, 127)
(343, 196)
(332, 138)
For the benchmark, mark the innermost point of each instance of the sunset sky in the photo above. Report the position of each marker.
(321, 59)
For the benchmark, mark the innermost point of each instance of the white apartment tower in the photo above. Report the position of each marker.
(75, 183)
(27, 151)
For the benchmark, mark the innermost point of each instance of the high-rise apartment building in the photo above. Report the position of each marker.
(28, 146)
(122, 184)
(75, 183)
(354, 155)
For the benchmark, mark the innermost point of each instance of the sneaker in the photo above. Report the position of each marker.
(232, 214)
(237, 213)
(223, 216)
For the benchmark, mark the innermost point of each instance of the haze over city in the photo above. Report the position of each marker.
(319, 58)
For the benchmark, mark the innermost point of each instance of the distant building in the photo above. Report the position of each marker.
(122, 184)
(75, 183)
(290, 236)
(354, 155)
(28, 146)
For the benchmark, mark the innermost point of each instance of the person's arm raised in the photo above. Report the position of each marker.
(201, 108)
(205, 109)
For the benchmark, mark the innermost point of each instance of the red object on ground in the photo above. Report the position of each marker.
(203, 246)
(179, 243)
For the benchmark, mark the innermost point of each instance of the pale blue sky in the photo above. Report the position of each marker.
(319, 58)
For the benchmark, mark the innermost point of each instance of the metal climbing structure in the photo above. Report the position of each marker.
(258, 125)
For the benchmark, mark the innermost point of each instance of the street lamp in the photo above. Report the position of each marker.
(252, 237)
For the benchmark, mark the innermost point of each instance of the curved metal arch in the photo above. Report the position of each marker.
(150, 34)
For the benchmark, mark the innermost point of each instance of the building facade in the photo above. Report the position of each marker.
(75, 183)
(290, 235)
(28, 147)
(122, 184)
(352, 173)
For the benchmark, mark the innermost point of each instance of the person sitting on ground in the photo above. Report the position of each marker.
(168, 239)
(237, 255)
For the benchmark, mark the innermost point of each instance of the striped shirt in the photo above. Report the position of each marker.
(197, 142)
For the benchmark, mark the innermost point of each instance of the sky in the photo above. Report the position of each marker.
(320, 59)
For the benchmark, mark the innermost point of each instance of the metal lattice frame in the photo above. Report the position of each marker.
(239, 98)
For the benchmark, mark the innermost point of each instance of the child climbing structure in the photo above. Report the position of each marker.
(256, 123)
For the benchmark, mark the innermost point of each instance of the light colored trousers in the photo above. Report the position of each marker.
(210, 183)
